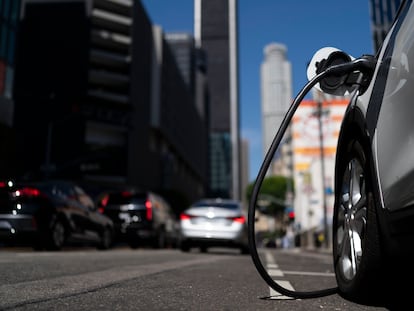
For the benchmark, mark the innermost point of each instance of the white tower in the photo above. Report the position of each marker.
(276, 90)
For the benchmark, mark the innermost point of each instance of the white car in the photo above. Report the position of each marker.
(214, 222)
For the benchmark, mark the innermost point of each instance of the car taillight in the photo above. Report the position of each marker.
(102, 204)
(27, 192)
(240, 219)
(184, 216)
(148, 206)
(4, 184)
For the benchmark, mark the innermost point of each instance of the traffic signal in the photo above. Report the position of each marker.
(291, 216)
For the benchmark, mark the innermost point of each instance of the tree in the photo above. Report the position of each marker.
(273, 191)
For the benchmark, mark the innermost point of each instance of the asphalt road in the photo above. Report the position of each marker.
(147, 279)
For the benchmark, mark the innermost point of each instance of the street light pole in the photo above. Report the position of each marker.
(321, 147)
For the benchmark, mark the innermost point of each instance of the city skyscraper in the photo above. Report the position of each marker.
(215, 25)
(382, 15)
(9, 18)
(99, 98)
(276, 91)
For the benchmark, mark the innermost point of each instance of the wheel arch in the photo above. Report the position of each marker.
(354, 140)
(354, 127)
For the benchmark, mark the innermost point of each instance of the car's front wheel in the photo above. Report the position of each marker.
(106, 239)
(57, 235)
(356, 248)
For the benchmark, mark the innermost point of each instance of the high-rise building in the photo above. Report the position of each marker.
(382, 15)
(9, 17)
(276, 93)
(216, 32)
(99, 98)
(182, 45)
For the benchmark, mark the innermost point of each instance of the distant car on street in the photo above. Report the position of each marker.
(140, 217)
(214, 222)
(51, 214)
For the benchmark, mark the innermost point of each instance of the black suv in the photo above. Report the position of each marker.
(140, 217)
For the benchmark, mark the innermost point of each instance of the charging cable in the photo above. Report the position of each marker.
(363, 65)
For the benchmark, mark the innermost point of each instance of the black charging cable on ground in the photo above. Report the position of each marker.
(362, 64)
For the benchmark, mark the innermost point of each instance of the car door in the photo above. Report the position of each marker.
(76, 212)
(92, 221)
(393, 102)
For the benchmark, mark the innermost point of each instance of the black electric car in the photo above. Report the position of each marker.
(51, 214)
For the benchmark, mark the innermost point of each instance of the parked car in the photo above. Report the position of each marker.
(214, 222)
(50, 214)
(373, 222)
(140, 217)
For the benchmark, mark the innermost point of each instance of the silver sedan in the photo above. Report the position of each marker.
(214, 222)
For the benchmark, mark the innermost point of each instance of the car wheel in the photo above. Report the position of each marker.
(244, 250)
(133, 243)
(356, 248)
(106, 239)
(160, 240)
(184, 247)
(57, 236)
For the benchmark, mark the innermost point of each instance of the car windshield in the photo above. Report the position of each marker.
(127, 198)
(227, 205)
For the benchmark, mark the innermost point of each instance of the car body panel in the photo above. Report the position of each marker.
(381, 119)
(387, 111)
(395, 127)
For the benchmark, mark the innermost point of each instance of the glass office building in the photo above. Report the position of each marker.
(382, 15)
(9, 15)
(216, 33)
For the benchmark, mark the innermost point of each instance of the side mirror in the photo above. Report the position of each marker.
(323, 59)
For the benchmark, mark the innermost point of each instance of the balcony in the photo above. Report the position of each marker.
(111, 41)
(110, 21)
(122, 7)
(108, 96)
(112, 60)
(109, 79)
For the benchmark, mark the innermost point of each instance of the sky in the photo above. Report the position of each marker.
(303, 26)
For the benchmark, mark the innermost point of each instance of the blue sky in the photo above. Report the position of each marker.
(303, 26)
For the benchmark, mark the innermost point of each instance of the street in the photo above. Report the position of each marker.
(150, 279)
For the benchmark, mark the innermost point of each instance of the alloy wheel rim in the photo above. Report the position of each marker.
(352, 219)
(59, 234)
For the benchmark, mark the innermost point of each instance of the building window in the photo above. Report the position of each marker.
(11, 47)
(3, 40)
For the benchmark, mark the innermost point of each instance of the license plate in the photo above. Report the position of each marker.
(125, 217)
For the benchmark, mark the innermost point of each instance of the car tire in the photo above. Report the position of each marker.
(244, 250)
(356, 242)
(160, 239)
(57, 236)
(134, 243)
(106, 239)
(184, 247)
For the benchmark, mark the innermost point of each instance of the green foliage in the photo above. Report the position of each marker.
(273, 188)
